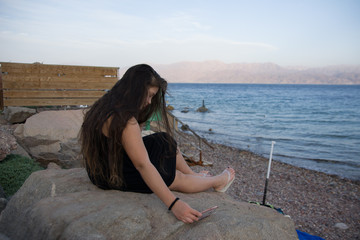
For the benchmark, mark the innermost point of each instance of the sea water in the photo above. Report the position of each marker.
(314, 126)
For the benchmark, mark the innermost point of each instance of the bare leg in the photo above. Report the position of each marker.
(183, 167)
(189, 183)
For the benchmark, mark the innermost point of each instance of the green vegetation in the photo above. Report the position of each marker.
(14, 170)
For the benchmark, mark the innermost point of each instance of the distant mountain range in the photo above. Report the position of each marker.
(258, 73)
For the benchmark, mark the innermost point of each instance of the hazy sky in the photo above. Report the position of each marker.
(125, 32)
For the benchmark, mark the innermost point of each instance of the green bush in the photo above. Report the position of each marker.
(14, 170)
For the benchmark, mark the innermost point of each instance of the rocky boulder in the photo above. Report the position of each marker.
(18, 114)
(63, 204)
(7, 141)
(51, 136)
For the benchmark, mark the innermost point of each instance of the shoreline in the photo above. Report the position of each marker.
(353, 179)
(317, 202)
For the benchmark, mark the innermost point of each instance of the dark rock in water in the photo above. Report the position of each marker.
(185, 110)
(202, 108)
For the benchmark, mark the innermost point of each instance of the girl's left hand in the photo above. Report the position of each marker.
(185, 213)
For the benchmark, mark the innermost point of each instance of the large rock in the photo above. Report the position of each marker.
(18, 114)
(63, 204)
(7, 142)
(20, 151)
(51, 136)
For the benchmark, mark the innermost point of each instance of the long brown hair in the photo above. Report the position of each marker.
(124, 101)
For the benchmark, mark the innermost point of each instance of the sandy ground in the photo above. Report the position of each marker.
(319, 204)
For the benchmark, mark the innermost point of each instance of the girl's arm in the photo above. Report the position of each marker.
(135, 148)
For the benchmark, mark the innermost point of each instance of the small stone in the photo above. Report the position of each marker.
(185, 127)
(52, 165)
(169, 107)
(342, 226)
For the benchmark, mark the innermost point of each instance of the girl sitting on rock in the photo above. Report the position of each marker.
(118, 157)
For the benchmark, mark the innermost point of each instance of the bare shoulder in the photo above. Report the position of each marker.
(131, 135)
(132, 127)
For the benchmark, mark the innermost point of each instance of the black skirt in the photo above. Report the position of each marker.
(161, 155)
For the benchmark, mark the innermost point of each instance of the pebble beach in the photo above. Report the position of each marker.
(319, 204)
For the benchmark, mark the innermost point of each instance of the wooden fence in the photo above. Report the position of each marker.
(53, 85)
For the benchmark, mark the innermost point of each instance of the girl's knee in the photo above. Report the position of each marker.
(179, 178)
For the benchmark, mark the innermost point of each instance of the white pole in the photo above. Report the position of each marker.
(270, 158)
(268, 173)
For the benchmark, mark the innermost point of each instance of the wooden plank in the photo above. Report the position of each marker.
(61, 75)
(64, 79)
(55, 85)
(52, 94)
(20, 68)
(57, 69)
(49, 102)
(52, 66)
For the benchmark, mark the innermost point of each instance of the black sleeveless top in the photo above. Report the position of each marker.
(161, 156)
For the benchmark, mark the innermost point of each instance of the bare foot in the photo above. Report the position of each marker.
(227, 178)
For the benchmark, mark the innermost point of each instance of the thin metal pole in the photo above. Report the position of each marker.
(268, 172)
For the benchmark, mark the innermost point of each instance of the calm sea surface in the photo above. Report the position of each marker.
(314, 126)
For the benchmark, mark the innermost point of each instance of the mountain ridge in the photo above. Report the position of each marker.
(257, 73)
